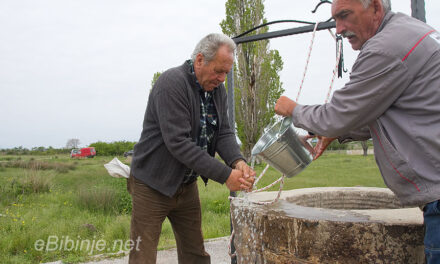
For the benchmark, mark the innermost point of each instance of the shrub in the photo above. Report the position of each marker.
(40, 165)
(31, 182)
(36, 183)
(98, 200)
(116, 148)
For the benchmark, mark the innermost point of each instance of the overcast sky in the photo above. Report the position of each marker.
(83, 68)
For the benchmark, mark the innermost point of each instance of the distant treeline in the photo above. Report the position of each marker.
(335, 145)
(116, 148)
(34, 151)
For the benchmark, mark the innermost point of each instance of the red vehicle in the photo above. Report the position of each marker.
(83, 153)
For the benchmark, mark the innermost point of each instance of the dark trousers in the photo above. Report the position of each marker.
(431, 214)
(150, 208)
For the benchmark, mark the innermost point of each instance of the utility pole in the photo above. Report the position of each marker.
(418, 9)
(231, 103)
(231, 115)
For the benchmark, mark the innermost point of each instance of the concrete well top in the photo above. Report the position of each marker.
(340, 204)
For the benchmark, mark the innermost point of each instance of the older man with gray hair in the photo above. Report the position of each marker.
(185, 124)
(393, 97)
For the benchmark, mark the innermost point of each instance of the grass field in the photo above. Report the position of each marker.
(58, 208)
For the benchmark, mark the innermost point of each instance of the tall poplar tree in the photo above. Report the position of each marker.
(257, 84)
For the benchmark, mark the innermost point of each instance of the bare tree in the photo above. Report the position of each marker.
(72, 143)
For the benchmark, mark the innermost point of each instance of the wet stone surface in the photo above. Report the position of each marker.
(367, 226)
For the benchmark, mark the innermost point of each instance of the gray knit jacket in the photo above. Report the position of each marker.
(167, 145)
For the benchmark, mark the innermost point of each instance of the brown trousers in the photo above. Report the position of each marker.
(150, 208)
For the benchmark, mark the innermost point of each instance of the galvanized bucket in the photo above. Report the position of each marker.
(284, 149)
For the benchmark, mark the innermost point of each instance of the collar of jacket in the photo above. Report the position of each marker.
(385, 20)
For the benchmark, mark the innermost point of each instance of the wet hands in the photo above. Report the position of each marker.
(241, 178)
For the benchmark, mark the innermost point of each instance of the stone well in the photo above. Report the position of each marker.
(327, 225)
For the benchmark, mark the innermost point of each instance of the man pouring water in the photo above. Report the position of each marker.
(393, 97)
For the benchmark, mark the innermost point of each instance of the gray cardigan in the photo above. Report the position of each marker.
(167, 145)
(393, 96)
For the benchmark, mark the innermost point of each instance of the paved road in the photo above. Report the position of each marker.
(217, 248)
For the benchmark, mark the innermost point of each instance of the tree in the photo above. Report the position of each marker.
(116, 148)
(72, 143)
(365, 147)
(256, 79)
(155, 77)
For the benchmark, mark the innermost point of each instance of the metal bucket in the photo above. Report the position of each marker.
(284, 149)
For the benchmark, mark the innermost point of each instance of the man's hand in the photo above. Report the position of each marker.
(237, 182)
(284, 106)
(247, 171)
(322, 145)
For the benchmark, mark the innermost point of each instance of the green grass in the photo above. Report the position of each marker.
(84, 203)
(335, 170)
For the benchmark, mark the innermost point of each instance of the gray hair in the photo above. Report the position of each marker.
(209, 45)
(386, 4)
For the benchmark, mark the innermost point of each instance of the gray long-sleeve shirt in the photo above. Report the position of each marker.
(393, 96)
